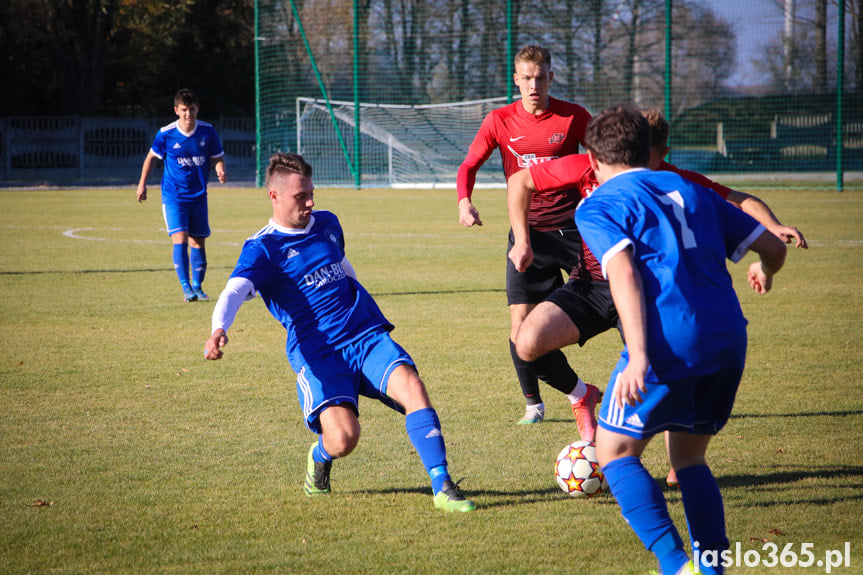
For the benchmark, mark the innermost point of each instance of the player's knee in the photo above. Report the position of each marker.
(341, 441)
(606, 452)
(527, 347)
(341, 430)
(408, 389)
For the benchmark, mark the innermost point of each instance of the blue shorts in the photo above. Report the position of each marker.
(700, 405)
(191, 218)
(362, 368)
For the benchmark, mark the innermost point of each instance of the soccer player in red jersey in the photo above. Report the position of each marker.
(584, 308)
(536, 129)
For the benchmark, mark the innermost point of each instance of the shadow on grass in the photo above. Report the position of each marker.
(439, 292)
(765, 481)
(494, 497)
(104, 271)
(559, 420)
(793, 475)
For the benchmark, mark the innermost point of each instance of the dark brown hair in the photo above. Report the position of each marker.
(282, 163)
(186, 97)
(620, 135)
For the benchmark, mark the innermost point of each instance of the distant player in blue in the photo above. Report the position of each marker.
(662, 242)
(338, 341)
(186, 147)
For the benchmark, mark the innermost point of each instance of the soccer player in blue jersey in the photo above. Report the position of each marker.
(338, 341)
(187, 147)
(662, 242)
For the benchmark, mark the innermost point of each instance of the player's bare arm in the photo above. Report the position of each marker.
(220, 170)
(759, 210)
(772, 251)
(145, 173)
(468, 215)
(627, 292)
(519, 191)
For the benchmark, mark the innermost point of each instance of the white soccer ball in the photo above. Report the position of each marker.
(577, 470)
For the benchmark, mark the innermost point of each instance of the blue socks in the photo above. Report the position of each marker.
(184, 258)
(181, 263)
(320, 454)
(423, 427)
(705, 514)
(198, 262)
(645, 509)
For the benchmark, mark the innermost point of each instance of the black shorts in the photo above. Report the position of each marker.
(553, 251)
(589, 305)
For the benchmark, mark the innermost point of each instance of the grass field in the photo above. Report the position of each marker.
(123, 451)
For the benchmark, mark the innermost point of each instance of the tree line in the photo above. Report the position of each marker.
(125, 57)
(128, 57)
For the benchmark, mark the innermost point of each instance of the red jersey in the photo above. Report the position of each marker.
(697, 178)
(574, 175)
(526, 140)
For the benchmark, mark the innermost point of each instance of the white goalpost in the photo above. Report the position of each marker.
(402, 146)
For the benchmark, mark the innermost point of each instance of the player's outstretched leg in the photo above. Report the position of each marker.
(317, 472)
(424, 431)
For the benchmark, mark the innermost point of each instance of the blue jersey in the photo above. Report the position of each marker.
(681, 234)
(300, 277)
(187, 161)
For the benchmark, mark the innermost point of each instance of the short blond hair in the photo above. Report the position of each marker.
(533, 53)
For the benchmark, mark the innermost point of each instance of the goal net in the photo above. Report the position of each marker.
(400, 145)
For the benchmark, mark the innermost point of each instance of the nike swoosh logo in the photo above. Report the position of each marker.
(516, 139)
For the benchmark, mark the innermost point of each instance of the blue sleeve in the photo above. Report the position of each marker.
(739, 230)
(254, 264)
(341, 236)
(216, 149)
(158, 146)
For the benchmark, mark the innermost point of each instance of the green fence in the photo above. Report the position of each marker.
(364, 86)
